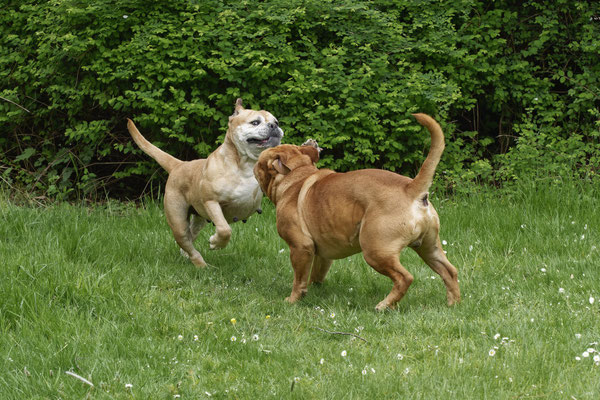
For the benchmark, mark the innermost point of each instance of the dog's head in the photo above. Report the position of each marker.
(275, 163)
(253, 131)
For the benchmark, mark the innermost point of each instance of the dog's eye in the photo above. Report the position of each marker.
(256, 122)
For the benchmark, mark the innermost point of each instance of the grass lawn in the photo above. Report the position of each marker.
(102, 292)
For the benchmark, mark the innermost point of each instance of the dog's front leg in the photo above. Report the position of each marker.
(301, 258)
(223, 230)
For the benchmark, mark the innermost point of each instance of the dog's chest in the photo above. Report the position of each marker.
(242, 199)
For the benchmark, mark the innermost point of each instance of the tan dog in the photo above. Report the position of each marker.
(324, 215)
(221, 188)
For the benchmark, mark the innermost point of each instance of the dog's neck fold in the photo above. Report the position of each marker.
(291, 181)
(244, 160)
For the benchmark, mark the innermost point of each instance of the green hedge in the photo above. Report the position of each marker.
(515, 85)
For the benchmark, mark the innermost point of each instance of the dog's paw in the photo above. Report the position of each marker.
(217, 242)
(383, 306)
(198, 262)
(312, 143)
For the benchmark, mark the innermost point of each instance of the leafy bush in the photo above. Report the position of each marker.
(347, 73)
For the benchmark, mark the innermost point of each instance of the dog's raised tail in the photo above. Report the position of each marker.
(421, 183)
(167, 161)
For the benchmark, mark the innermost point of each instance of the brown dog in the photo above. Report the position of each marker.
(324, 215)
(221, 188)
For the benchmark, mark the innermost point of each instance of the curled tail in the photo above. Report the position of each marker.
(421, 183)
(167, 161)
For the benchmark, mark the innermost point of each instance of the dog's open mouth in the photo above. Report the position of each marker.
(269, 141)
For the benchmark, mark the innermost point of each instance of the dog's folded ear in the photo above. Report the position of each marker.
(312, 152)
(279, 166)
(239, 106)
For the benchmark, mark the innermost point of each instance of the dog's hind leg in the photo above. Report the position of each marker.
(319, 270)
(176, 211)
(431, 252)
(196, 225)
(381, 248)
(388, 264)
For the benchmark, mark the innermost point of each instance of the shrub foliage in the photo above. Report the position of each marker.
(515, 85)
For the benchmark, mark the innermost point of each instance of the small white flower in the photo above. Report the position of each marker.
(180, 337)
(543, 269)
(444, 242)
(255, 338)
(578, 336)
(364, 371)
(208, 394)
(233, 339)
(406, 371)
(523, 226)
(492, 353)
(195, 338)
(372, 370)
(471, 248)
(125, 16)
(322, 361)
(128, 386)
(596, 358)
(332, 315)
(578, 358)
(496, 336)
(243, 341)
(590, 350)
(281, 251)
(561, 290)
(176, 396)
(296, 379)
(344, 353)
(585, 354)
(399, 356)
(592, 300)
